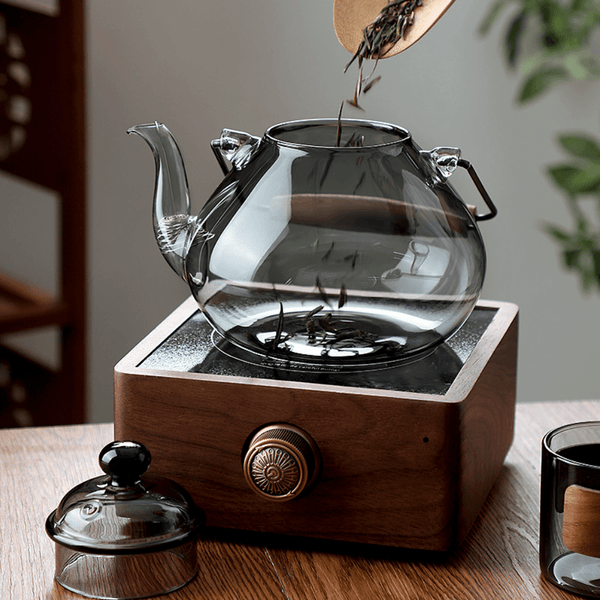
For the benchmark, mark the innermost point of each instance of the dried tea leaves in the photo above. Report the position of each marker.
(379, 37)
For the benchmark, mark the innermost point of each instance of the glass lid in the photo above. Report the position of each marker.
(125, 511)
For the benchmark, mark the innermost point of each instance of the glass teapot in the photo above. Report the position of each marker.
(334, 244)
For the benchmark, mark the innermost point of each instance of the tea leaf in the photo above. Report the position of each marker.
(338, 135)
(277, 338)
(343, 296)
(327, 254)
(313, 312)
(322, 292)
(379, 37)
(371, 84)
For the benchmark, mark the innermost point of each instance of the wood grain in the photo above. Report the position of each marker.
(399, 468)
(351, 17)
(378, 215)
(487, 388)
(37, 467)
(581, 528)
(498, 559)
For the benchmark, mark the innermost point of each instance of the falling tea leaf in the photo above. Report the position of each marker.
(379, 37)
(322, 292)
(343, 296)
(327, 254)
(277, 338)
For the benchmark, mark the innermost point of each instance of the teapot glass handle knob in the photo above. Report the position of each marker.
(234, 147)
(446, 161)
(443, 160)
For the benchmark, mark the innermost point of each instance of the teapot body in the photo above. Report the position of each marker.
(335, 247)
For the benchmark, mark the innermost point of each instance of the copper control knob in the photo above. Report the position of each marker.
(281, 462)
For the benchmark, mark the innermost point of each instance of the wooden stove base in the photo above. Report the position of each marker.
(401, 469)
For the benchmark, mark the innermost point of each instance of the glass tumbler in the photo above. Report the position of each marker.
(570, 508)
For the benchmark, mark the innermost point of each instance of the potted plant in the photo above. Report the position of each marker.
(549, 43)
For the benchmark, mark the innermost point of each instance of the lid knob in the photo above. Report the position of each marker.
(125, 462)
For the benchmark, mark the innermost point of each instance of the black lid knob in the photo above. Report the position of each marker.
(124, 461)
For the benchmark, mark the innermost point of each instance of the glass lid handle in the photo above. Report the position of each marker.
(125, 462)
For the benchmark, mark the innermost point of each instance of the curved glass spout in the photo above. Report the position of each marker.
(174, 227)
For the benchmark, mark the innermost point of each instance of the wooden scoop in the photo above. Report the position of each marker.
(350, 17)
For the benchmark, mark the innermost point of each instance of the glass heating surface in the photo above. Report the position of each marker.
(194, 348)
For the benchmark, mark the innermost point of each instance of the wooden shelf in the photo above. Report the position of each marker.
(46, 148)
(24, 306)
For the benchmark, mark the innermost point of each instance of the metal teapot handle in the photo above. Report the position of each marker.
(445, 161)
(236, 147)
(465, 164)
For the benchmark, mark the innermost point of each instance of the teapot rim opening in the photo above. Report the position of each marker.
(289, 134)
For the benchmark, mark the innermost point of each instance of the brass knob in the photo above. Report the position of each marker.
(281, 462)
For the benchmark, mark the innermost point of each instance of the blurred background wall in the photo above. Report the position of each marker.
(202, 65)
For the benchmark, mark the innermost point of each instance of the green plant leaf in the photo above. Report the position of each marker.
(559, 234)
(583, 237)
(540, 81)
(514, 34)
(578, 5)
(555, 16)
(596, 262)
(581, 146)
(493, 15)
(575, 180)
(553, 41)
(571, 258)
(580, 253)
(587, 281)
(534, 62)
(578, 67)
(591, 65)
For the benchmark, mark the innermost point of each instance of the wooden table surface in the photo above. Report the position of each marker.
(498, 560)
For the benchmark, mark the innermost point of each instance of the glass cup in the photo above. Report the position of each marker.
(570, 508)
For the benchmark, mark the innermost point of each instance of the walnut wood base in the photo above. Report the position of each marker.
(398, 468)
